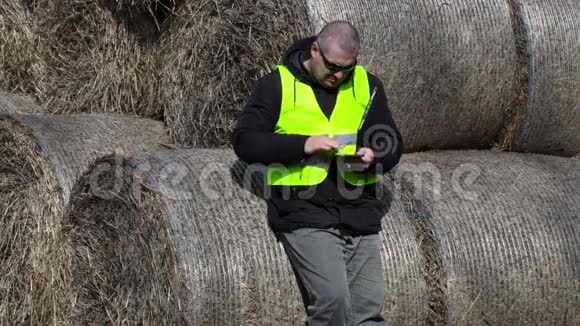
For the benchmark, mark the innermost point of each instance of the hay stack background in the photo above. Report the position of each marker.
(212, 53)
(447, 66)
(41, 157)
(508, 230)
(197, 247)
(551, 121)
(457, 74)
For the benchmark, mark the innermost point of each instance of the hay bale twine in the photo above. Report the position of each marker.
(506, 233)
(447, 66)
(16, 103)
(551, 120)
(212, 52)
(93, 64)
(196, 246)
(41, 157)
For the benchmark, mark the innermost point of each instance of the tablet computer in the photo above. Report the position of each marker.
(350, 158)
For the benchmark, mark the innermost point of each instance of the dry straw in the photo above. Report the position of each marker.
(507, 230)
(212, 52)
(92, 64)
(184, 239)
(513, 116)
(551, 120)
(19, 63)
(447, 66)
(41, 157)
(191, 62)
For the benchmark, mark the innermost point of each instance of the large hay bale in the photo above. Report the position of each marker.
(507, 234)
(493, 239)
(41, 158)
(16, 103)
(19, 62)
(551, 120)
(447, 66)
(197, 249)
(93, 64)
(212, 53)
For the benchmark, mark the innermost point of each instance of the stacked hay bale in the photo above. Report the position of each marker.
(447, 66)
(551, 120)
(462, 74)
(212, 53)
(507, 234)
(197, 248)
(91, 63)
(41, 157)
(191, 62)
(485, 237)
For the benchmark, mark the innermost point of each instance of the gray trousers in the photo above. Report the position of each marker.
(340, 276)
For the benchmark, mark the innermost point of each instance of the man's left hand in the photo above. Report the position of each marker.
(367, 156)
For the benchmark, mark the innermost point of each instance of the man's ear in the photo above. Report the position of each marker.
(314, 48)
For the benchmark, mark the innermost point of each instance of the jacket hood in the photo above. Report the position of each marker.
(294, 57)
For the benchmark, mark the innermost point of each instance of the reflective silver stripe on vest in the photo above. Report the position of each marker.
(346, 139)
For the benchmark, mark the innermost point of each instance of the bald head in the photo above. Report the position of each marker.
(339, 33)
(334, 54)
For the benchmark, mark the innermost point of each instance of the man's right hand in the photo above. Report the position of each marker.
(319, 143)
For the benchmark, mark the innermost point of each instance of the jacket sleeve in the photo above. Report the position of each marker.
(380, 132)
(254, 140)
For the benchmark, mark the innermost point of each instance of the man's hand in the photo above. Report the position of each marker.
(367, 156)
(319, 143)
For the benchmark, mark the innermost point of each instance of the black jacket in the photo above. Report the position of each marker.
(254, 141)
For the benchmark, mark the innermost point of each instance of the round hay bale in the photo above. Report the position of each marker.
(41, 157)
(196, 246)
(447, 66)
(506, 233)
(212, 52)
(16, 103)
(19, 63)
(551, 119)
(92, 63)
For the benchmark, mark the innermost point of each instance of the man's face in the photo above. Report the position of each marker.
(331, 66)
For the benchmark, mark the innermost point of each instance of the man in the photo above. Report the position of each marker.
(300, 121)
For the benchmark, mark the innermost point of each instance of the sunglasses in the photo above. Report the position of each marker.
(333, 66)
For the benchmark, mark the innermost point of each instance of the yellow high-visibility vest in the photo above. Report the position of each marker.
(300, 114)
